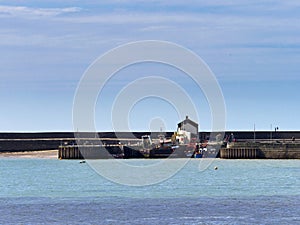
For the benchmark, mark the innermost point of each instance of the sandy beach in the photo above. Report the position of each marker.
(50, 154)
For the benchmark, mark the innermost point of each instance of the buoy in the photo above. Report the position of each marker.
(216, 168)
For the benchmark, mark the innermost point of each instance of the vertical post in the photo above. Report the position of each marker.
(254, 135)
(276, 129)
(271, 134)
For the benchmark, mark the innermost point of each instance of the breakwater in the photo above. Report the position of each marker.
(269, 145)
(262, 150)
(90, 152)
(18, 142)
(239, 153)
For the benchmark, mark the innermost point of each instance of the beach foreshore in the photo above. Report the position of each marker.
(50, 154)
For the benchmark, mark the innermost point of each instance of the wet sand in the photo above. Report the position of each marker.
(51, 154)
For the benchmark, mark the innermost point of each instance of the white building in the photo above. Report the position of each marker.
(186, 130)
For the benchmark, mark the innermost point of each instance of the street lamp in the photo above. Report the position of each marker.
(276, 129)
(271, 134)
(254, 135)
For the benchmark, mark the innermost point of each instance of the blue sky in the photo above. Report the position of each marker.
(253, 48)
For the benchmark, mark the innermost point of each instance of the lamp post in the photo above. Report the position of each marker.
(271, 134)
(276, 129)
(254, 135)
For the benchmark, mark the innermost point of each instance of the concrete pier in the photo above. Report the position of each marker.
(68, 152)
(282, 145)
(261, 150)
(89, 152)
(239, 153)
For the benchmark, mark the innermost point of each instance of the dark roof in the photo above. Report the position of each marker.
(187, 120)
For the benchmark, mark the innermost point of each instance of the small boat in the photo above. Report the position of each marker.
(198, 155)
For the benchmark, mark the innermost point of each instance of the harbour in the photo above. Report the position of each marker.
(283, 147)
(186, 142)
(261, 151)
(150, 112)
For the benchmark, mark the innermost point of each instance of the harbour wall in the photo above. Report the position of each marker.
(261, 150)
(278, 145)
(89, 152)
(18, 142)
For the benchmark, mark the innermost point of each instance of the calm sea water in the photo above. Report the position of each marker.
(45, 191)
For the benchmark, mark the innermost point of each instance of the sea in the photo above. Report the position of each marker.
(50, 191)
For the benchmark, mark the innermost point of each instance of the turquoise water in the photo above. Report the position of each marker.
(35, 191)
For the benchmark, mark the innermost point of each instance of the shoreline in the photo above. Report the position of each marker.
(47, 154)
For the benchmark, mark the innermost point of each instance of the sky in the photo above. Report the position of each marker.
(252, 48)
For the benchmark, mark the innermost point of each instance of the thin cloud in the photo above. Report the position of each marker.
(157, 28)
(22, 11)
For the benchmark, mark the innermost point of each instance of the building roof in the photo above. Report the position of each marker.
(187, 120)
